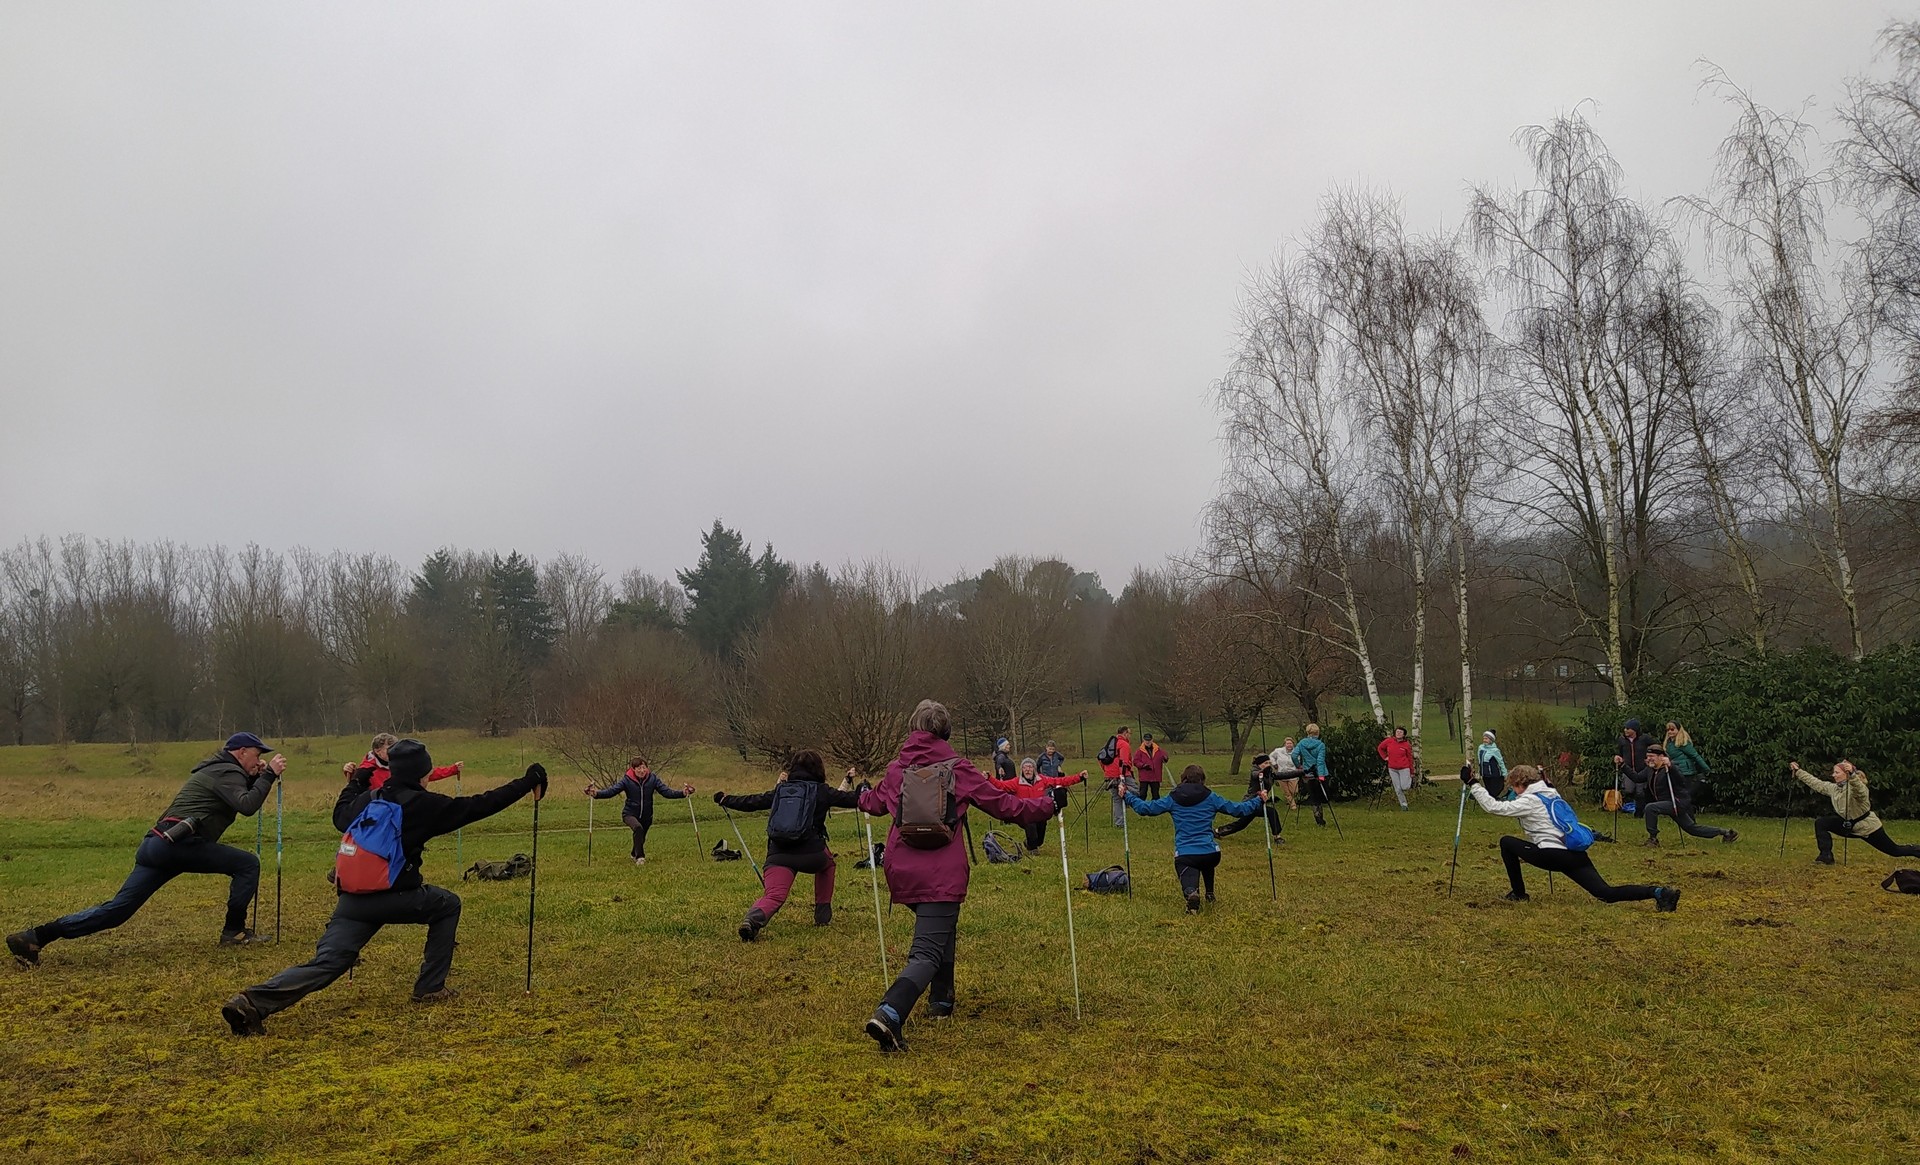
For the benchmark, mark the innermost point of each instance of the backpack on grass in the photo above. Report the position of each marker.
(1112, 880)
(370, 857)
(722, 852)
(929, 813)
(517, 866)
(1109, 752)
(1001, 850)
(1573, 835)
(1904, 881)
(795, 811)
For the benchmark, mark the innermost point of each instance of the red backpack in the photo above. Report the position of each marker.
(371, 857)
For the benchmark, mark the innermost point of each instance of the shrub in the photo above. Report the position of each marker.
(1353, 759)
(1530, 736)
(1749, 718)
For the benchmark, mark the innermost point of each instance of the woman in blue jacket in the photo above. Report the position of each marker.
(1310, 757)
(1195, 853)
(639, 784)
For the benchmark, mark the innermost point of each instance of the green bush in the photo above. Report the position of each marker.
(1750, 718)
(1531, 736)
(1353, 759)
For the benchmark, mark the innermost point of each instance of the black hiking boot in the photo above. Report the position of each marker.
(884, 1028)
(1651, 841)
(1731, 835)
(940, 1010)
(437, 996)
(822, 913)
(755, 921)
(1823, 859)
(1319, 818)
(25, 948)
(1516, 896)
(1193, 903)
(242, 938)
(1666, 899)
(242, 1016)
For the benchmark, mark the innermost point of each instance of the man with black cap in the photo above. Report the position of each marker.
(358, 917)
(186, 840)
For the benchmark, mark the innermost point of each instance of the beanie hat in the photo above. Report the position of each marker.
(1633, 724)
(409, 762)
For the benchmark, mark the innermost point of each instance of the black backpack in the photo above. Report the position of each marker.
(1109, 752)
(1905, 881)
(794, 813)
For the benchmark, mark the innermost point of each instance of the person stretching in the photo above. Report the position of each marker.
(1310, 757)
(1674, 791)
(1031, 784)
(1196, 855)
(1852, 816)
(1260, 778)
(1397, 751)
(788, 855)
(639, 783)
(1543, 848)
(375, 762)
(932, 882)
(186, 840)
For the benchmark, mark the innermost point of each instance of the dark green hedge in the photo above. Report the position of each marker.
(1749, 718)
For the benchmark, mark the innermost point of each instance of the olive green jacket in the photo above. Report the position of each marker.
(218, 791)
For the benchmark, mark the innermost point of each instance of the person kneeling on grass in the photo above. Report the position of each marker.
(186, 840)
(1543, 846)
(358, 917)
(1853, 814)
(926, 874)
(1195, 853)
(1673, 795)
(796, 837)
(1031, 784)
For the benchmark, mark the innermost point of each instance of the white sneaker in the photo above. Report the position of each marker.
(639, 861)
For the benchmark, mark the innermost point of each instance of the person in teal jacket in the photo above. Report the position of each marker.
(1493, 766)
(1686, 759)
(1195, 853)
(1310, 757)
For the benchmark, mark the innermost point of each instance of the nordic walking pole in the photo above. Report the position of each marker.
(1786, 817)
(879, 920)
(1458, 819)
(259, 833)
(743, 846)
(1073, 951)
(533, 884)
(279, 848)
(695, 817)
(1273, 887)
(1126, 835)
(1329, 800)
(457, 839)
(1616, 802)
(590, 800)
(965, 827)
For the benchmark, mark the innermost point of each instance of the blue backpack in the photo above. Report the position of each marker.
(1112, 880)
(1573, 835)
(371, 857)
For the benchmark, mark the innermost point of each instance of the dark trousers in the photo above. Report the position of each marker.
(1825, 827)
(1682, 817)
(1036, 835)
(936, 932)
(1575, 864)
(1239, 823)
(1195, 868)
(639, 825)
(356, 919)
(1149, 790)
(157, 862)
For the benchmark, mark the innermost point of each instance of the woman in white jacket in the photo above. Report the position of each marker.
(1543, 848)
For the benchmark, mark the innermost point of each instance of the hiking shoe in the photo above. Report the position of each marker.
(1193, 904)
(242, 1016)
(1823, 859)
(1666, 899)
(439, 996)
(639, 861)
(242, 938)
(26, 952)
(822, 913)
(1516, 896)
(750, 929)
(1209, 895)
(1319, 818)
(1730, 835)
(1652, 841)
(942, 1010)
(884, 1028)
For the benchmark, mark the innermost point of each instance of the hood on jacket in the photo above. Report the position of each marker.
(924, 748)
(1190, 793)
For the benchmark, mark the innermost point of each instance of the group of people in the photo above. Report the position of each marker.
(925, 793)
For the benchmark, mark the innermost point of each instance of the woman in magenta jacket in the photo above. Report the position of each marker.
(1397, 751)
(933, 882)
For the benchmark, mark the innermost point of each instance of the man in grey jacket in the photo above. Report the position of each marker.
(186, 840)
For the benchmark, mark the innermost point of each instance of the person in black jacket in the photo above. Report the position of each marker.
(186, 840)
(805, 793)
(1630, 759)
(639, 784)
(1670, 792)
(1261, 778)
(358, 917)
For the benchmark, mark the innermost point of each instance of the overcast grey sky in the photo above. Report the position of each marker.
(932, 282)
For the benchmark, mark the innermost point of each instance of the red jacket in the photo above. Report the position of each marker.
(1123, 758)
(1149, 760)
(1397, 753)
(381, 772)
(1020, 788)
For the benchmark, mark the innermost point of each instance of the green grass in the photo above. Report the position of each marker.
(1364, 1017)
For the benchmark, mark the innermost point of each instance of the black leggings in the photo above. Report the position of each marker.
(1036, 835)
(1239, 823)
(1825, 827)
(1193, 868)
(1575, 864)
(1682, 817)
(639, 825)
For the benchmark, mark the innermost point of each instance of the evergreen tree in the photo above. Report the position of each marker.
(729, 590)
(524, 616)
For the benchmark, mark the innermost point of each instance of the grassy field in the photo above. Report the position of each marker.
(1365, 1016)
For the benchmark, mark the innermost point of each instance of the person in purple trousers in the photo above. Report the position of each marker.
(933, 882)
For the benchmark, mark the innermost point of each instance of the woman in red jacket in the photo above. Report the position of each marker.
(376, 763)
(1031, 784)
(1397, 751)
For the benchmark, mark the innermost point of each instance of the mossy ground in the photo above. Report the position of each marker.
(1364, 1017)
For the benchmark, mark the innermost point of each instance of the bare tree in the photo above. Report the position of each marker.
(1141, 643)
(1879, 159)
(1225, 661)
(643, 690)
(1018, 640)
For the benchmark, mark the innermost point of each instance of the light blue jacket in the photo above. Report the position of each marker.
(1193, 816)
(1310, 756)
